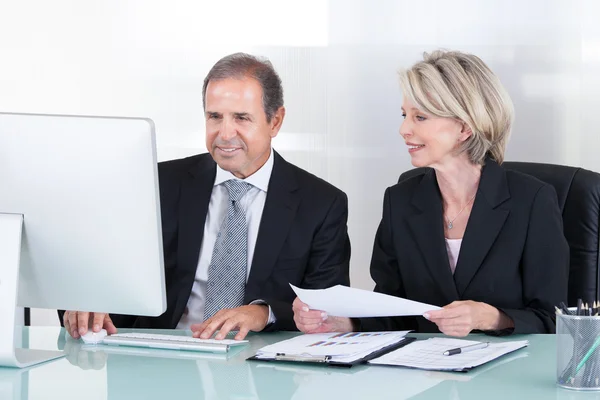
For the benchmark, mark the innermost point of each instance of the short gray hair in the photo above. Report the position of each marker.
(458, 85)
(242, 65)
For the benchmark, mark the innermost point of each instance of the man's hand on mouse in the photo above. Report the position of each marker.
(77, 323)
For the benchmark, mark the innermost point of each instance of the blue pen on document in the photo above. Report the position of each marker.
(465, 349)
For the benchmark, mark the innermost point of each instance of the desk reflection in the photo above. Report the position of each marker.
(161, 374)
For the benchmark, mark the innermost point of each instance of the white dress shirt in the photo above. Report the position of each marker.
(453, 249)
(252, 203)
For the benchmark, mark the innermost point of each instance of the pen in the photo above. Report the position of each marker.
(465, 349)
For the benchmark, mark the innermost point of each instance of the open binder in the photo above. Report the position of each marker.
(343, 349)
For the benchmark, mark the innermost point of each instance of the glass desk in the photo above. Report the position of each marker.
(88, 373)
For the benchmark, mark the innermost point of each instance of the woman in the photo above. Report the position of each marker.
(485, 243)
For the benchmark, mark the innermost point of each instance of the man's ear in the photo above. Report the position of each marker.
(277, 121)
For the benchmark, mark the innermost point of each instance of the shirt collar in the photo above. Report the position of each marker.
(259, 179)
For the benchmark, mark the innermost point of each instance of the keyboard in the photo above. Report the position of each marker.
(171, 342)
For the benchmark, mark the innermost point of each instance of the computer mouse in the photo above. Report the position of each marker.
(94, 337)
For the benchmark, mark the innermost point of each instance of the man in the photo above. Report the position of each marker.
(241, 223)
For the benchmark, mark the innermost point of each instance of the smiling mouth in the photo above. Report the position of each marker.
(416, 147)
(228, 150)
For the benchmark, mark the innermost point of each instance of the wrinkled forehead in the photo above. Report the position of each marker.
(233, 96)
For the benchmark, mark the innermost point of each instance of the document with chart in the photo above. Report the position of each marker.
(341, 347)
(429, 354)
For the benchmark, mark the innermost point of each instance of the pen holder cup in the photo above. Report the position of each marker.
(578, 352)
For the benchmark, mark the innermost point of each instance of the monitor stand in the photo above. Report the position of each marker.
(14, 384)
(11, 229)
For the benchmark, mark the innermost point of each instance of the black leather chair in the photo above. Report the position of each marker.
(578, 192)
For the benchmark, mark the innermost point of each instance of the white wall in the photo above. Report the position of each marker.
(338, 60)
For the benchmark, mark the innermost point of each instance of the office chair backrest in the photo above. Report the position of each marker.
(578, 192)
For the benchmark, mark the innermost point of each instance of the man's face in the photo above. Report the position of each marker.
(238, 135)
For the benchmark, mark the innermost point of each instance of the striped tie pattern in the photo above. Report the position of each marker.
(228, 267)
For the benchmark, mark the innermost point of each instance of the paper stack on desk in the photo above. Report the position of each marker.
(345, 347)
(429, 354)
(343, 301)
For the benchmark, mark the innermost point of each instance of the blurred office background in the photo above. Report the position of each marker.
(338, 61)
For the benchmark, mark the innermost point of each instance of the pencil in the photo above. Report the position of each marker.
(587, 355)
(558, 310)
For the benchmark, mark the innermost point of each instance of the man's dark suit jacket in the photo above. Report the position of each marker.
(302, 238)
(513, 254)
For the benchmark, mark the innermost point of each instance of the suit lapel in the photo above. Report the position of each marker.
(277, 217)
(196, 190)
(429, 233)
(484, 225)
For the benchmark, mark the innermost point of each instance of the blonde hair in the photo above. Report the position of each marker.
(458, 85)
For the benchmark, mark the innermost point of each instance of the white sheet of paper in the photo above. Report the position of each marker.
(343, 301)
(428, 354)
(334, 343)
(341, 346)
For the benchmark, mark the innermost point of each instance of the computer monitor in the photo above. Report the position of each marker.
(80, 221)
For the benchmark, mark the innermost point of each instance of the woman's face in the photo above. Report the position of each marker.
(431, 140)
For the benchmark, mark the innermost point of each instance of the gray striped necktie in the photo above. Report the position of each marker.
(228, 266)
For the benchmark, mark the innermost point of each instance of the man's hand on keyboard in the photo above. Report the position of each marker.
(77, 323)
(243, 319)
